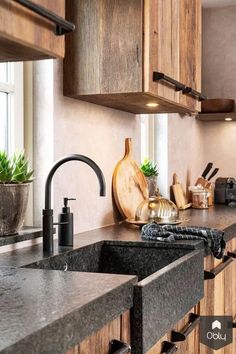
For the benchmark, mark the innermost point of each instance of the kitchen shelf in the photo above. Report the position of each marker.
(211, 117)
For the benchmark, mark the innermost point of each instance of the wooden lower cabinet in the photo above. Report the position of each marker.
(187, 346)
(98, 343)
(220, 296)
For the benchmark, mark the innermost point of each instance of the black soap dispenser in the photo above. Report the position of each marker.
(65, 225)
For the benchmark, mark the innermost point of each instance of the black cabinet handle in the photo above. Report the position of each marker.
(190, 91)
(232, 254)
(194, 320)
(118, 347)
(168, 348)
(62, 26)
(157, 76)
(214, 272)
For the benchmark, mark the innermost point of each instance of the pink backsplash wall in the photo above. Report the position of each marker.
(98, 133)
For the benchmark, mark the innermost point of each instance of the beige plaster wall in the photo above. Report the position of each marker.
(98, 133)
(191, 143)
(185, 150)
(219, 52)
(219, 80)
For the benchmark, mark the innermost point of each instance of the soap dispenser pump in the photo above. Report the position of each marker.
(66, 225)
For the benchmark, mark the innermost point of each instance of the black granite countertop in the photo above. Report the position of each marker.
(27, 290)
(27, 233)
(51, 311)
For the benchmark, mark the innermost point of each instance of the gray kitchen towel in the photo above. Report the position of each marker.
(214, 238)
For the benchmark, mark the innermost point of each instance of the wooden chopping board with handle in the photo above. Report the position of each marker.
(129, 184)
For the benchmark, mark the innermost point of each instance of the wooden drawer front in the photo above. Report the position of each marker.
(220, 295)
(188, 346)
(25, 35)
(99, 342)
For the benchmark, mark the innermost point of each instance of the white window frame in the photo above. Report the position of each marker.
(154, 145)
(14, 87)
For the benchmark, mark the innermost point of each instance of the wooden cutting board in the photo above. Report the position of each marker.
(180, 197)
(129, 184)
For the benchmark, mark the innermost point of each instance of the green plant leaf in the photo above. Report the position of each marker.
(15, 169)
(149, 168)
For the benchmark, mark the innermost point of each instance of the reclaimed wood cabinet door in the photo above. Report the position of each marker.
(190, 42)
(172, 37)
(219, 295)
(25, 35)
(118, 45)
(99, 342)
(161, 49)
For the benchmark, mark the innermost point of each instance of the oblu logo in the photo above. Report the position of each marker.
(216, 331)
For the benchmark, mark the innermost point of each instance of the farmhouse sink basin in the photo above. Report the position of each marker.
(170, 280)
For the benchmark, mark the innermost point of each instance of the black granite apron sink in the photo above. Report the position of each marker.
(170, 280)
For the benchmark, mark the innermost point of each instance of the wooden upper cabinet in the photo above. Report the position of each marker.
(190, 39)
(25, 35)
(118, 45)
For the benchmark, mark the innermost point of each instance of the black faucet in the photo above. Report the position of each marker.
(48, 211)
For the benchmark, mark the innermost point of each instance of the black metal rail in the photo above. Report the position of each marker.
(158, 76)
(62, 26)
(194, 320)
(214, 272)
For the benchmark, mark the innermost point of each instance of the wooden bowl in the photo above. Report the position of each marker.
(218, 105)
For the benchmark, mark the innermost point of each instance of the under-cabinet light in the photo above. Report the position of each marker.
(228, 119)
(152, 104)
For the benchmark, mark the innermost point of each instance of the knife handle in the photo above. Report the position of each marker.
(213, 174)
(207, 169)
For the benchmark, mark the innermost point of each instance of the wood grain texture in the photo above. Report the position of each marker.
(108, 62)
(125, 334)
(27, 36)
(98, 343)
(189, 346)
(190, 49)
(219, 296)
(104, 54)
(129, 184)
(161, 44)
(134, 103)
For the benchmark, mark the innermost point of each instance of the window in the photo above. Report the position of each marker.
(11, 107)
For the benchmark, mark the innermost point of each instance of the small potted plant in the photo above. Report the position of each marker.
(15, 178)
(150, 171)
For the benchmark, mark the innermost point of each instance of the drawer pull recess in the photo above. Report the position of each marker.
(194, 320)
(214, 272)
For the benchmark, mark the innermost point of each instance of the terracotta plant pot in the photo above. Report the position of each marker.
(13, 204)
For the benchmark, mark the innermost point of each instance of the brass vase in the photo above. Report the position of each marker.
(13, 204)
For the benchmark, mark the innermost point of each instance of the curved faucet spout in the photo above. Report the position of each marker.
(74, 157)
(48, 212)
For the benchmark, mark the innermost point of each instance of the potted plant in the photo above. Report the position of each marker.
(150, 171)
(15, 178)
